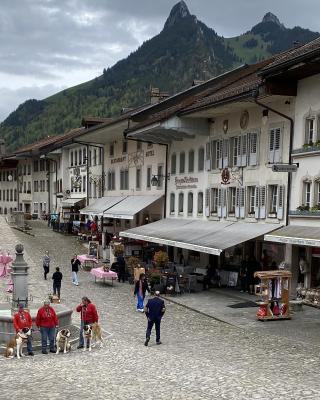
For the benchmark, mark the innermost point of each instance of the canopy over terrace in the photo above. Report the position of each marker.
(101, 205)
(203, 236)
(295, 234)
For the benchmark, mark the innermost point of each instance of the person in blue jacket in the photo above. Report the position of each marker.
(154, 310)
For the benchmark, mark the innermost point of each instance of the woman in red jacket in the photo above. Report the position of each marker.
(89, 316)
(47, 321)
(22, 319)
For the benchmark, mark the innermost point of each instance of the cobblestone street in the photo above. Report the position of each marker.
(200, 358)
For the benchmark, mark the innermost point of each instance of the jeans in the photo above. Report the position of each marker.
(56, 288)
(157, 323)
(75, 278)
(81, 339)
(47, 333)
(140, 305)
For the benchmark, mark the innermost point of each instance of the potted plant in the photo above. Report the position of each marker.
(161, 259)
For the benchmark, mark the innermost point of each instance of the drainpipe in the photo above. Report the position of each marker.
(255, 95)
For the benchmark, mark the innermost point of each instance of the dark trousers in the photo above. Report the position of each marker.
(46, 271)
(121, 276)
(157, 323)
(56, 288)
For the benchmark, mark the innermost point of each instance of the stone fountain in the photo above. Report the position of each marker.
(19, 275)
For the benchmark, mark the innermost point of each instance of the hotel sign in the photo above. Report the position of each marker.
(187, 182)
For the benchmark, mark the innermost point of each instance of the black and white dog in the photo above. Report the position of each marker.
(62, 341)
(87, 336)
(17, 341)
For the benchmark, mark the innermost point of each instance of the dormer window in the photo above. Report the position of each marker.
(310, 130)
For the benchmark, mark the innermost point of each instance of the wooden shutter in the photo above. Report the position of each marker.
(253, 148)
(280, 207)
(225, 153)
(244, 150)
(242, 195)
(208, 157)
(277, 147)
(237, 208)
(207, 202)
(262, 201)
(256, 202)
(219, 208)
(224, 202)
(219, 151)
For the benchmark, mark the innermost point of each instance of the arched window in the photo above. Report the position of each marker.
(180, 203)
(190, 203)
(173, 164)
(200, 203)
(182, 163)
(191, 161)
(172, 203)
(201, 159)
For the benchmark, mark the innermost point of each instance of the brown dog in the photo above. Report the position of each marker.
(17, 342)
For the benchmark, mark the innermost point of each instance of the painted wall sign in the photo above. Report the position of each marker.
(119, 160)
(187, 182)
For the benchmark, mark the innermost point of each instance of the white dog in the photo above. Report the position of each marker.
(18, 341)
(62, 341)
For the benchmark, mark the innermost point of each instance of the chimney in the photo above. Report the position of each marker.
(156, 96)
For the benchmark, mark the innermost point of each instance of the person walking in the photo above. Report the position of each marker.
(121, 268)
(46, 264)
(75, 264)
(47, 321)
(140, 289)
(22, 319)
(155, 309)
(57, 278)
(89, 316)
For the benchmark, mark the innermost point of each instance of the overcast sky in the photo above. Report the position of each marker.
(49, 45)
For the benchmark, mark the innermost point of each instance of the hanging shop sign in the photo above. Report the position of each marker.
(187, 182)
(284, 167)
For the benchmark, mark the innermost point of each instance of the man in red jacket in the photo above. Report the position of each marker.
(89, 316)
(22, 319)
(47, 321)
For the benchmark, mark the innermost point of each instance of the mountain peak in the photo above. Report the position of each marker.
(178, 12)
(269, 17)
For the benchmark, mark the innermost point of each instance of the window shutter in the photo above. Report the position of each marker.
(243, 150)
(207, 203)
(238, 151)
(226, 152)
(237, 208)
(277, 145)
(219, 203)
(271, 145)
(208, 157)
(318, 127)
(256, 202)
(224, 202)
(280, 208)
(213, 154)
(253, 148)
(262, 201)
(242, 192)
(219, 150)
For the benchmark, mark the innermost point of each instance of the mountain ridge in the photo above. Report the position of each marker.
(185, 50)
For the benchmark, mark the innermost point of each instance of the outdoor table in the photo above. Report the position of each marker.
(105, 275)
(87, 261)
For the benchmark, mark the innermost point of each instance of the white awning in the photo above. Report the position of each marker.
(70, 202)
(101, 205)
(296, 234)
(130, 206)
(210, 237)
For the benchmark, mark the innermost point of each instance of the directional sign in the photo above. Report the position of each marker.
(284, 167)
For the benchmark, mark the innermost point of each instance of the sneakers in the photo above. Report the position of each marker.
(159, 342)
(30, 353)
(80, 347)
(44, 352)
(147, 341)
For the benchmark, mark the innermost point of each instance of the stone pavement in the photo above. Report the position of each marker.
(200, 358)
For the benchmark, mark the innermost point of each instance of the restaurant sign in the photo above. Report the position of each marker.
(187, 182)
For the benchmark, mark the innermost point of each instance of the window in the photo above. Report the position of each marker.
(232, 200)
(80, 157)
(124, 179)
(94, 157)
(239, 151)
(273, 198)
(84, 155)
(182, 163)
(124, 147)
(180, 210)
(29, 187)
(90, 158)
(173, 164)
(214, 201)
(15, 194)
(317, 192)
(75, 158)
(138, 178)
(11, 194)
(35, 186)
(111, 150)
(274, 145)
(200, 203)
(24, 187)
(111, 180)
(84, 184)
(172, 203)
(253, 149)
(139, 146)
(148, 185)
(307, 193)
(251, 200)
(100, 155)
(8, 194)
(310, 130)
(190, 203)
(35, 166)
(160, 176)
(191, 161)
(201, 159)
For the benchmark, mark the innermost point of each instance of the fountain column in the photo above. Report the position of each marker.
(19, 275)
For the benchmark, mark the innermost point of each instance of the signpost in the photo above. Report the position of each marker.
(284, 167)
